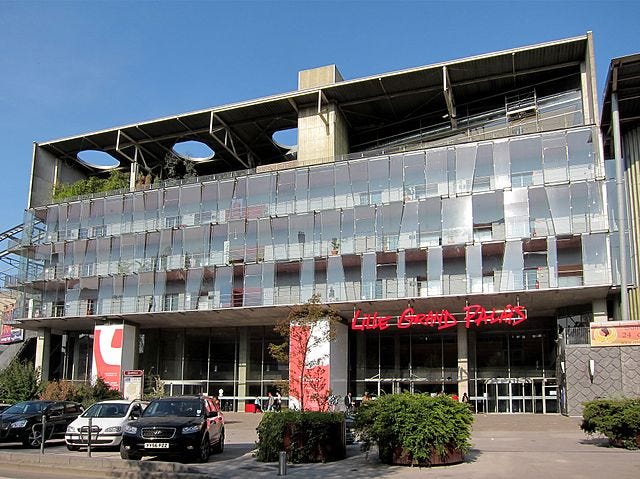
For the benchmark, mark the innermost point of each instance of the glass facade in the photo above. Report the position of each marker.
(504, 215)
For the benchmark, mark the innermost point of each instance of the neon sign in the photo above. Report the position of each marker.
(474, 315)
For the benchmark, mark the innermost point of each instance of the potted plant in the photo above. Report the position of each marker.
(416, 429)
(335, 246)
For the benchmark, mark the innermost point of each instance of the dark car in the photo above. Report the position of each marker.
(191, 426)
(23, 421)
(4, 406)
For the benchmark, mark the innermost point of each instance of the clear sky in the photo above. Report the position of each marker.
(72, 67)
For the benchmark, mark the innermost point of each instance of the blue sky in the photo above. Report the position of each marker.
(72, 67)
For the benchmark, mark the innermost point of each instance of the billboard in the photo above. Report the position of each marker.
(615, 333)
(107, 353)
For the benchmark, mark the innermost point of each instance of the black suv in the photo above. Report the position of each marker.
(182, 425)
(23, 421)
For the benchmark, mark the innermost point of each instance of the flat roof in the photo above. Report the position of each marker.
(388, 101)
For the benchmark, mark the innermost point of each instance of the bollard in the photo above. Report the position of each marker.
(282, 463)
(89, 439)
(44, 422)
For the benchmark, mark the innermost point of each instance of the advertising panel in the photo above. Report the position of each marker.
(615, 333)
(107, 353)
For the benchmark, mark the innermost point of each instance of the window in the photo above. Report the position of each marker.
(171, 302)
(172, 222)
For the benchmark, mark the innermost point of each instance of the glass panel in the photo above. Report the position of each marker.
(336, 290)
(488, 217)
(595, 254)
(552, 260)
(579, 208)
(501, 164)
(209, 211)
(268, 284)
(222, 288)
(359, 182)
(516, 213)
(280, 232)
(390, 231)
(401, 275)
(301, 236)
(581, 155)
(526, 161)
(378, 180)
(554, 151)
(302, 190)
(396, 190)
(457, 220)
(414, 179)
(286, 192)
(344, 198)
(483, 176)
(259, 195)
(560, 209)
(409, 226)
(307, 274)
(437, 172)
(430, 214)
(540, 214)
(225, 194)
(347, 232)
(512, 267)
(190, 204)
(465, 167)
(321, 188)
(194, 284)
(330, 221)
(434, 271)
(252, 285)
(364, 229)
(597, 214)
(454, 277)
(474, 268)
(368, 276)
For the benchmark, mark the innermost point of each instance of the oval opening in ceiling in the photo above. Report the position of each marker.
(98, 159)
(286, 138)
(193, 150)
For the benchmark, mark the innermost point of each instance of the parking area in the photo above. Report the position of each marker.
(504, 446)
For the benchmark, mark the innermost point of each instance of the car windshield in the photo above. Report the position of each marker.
(106, 410)
(27, 407)
(176, 407)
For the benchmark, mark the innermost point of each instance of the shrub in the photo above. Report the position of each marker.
(84, 393)
(416, 424)
(19, 382)
(305, 436)
(116, 181)
(617, 419)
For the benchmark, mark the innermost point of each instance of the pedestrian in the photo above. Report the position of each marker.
(270, 402)
(366, 397)
(465, 398)
(348, 402)
(257, 405)
(278, 401)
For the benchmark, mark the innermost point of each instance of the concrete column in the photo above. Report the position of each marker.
(463, 361)
(599, 307)
(339, 361)
(43, 352)
(243, 357)
(130, 347)
(322, 131)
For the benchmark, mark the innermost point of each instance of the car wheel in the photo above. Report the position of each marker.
(129, 455)
(71, 447)
(204, 451)
(33, 438)
(218, 447)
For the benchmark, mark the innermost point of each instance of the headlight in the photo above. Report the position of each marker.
(113, 429)
(130, 429)
(190, 429)
(71, 429)
(18, 424)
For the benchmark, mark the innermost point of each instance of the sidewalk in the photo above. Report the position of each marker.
(504, 446)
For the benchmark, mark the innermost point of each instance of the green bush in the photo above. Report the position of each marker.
(84, 393)
(417, 424)
(305, 436)
(116, 181)
(19, 382)
(617, 419)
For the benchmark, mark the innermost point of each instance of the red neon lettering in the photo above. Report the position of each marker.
(404, 321)
(446, 320)
(354, 322)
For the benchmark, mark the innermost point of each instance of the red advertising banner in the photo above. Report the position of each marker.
(107, 353)
(615, 333)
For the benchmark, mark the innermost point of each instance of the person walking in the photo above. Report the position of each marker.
(348, 402)
(278, 401)
(270, 402)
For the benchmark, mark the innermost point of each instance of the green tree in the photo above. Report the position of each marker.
(19, 381)
(304, 332)
(117, 180)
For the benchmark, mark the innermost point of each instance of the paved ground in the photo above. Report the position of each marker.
(504, 446)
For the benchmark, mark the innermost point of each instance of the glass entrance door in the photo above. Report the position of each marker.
(511, 395)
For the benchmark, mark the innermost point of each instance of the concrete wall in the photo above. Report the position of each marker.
(47, 170)
(616, 374)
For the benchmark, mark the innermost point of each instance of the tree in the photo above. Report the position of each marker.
(19, 382)
(307, 332)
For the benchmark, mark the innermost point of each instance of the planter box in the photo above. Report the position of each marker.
(332, 448)
(401, 457)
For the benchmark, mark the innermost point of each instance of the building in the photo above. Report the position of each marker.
(457, 216)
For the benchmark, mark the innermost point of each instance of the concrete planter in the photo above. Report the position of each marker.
(402, 457)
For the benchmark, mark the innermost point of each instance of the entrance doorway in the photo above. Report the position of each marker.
(518, 395)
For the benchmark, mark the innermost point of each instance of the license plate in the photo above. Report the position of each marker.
(156, 445)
